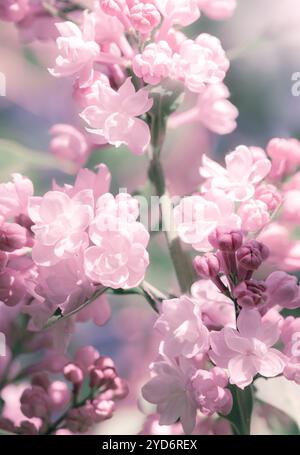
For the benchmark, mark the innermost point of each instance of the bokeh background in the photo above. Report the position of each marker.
(263, 42)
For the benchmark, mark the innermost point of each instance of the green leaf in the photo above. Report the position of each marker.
(240, 415)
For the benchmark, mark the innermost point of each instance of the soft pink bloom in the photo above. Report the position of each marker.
(112, 116)
(119, 258)
(248, 350)
(283, 290)
(153, 64)
(217, 9)
(210, 391)
(213, 110)
(216, 309)
(171, 390)
(13, 10)
(242, 173)
(118, 9)
(254, 215)
(196, 217)
(270, 195)
(200, 62)
(59, 394)
(14, 196)
(98, 182)
(77, 50)
(207, 266)
(181, 327)
(291, 206)
(144, 17)
(69, 144)
(179, 12)
(285, 155)
(60, 225)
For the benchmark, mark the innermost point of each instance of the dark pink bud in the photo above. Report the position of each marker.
(104, 362)
(35, 403)
(96, 378)
(250, 293)
(12, 237)
(73, 373)
(41, 380)
(225, 240)
(251, 255)
(207, 266)
(120, 388)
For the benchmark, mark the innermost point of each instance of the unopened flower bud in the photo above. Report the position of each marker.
(73, 373)
(250, 293)
(207, 266)
(225, 240)
(12, 237)
(251, 255)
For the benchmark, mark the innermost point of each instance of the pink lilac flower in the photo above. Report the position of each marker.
(14, 196)
(181, 327)
(241, 175)
(283, 290)
(13, 10)
(217, 9)
(285, 155)
(60, 225)
(112, 116)
(118, 257)
(200, 62)
(270, 195)
(248, 350)
(78, 50)
(196, 217)
(153, 64)
(213, 110)
(69, 144)
(177, 12)
(144, 17)
(171, 390)
(254, 215)
(210, 391)
(217, 310)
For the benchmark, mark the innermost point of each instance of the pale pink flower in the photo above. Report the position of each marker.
(13, 10)
(254, 215)
(60, 225)
(77, 50)
(283, 290)
(118, 9)
(112, 116)
(196, 217)
(14, 196)
(248, 350)
(181, 327)
(171, 390)
(213, 110)
(98, 182)
(119, 258)
(69, 144)
(270, 195)
(200, 62)
(285, 155)
(217, 9)
(210, 391)
(241, 175)
(179, 12)
(144, 17)
(217, 309)
(153, 64)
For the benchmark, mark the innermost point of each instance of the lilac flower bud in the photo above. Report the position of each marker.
(96, 377)
(73, 373)
(207, 266)
(12, 237)
(251, 255)
(225, 240)
(35, 403)
(250, 293)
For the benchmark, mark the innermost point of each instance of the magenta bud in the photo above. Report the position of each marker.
(41, 380)
(96, 377)
(207, 266)
(73, 373)
(250, 293)
(120, 388)
(226, 240)
(251, 255)
(12, 237)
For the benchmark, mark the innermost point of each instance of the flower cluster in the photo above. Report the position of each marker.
(45, 399)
